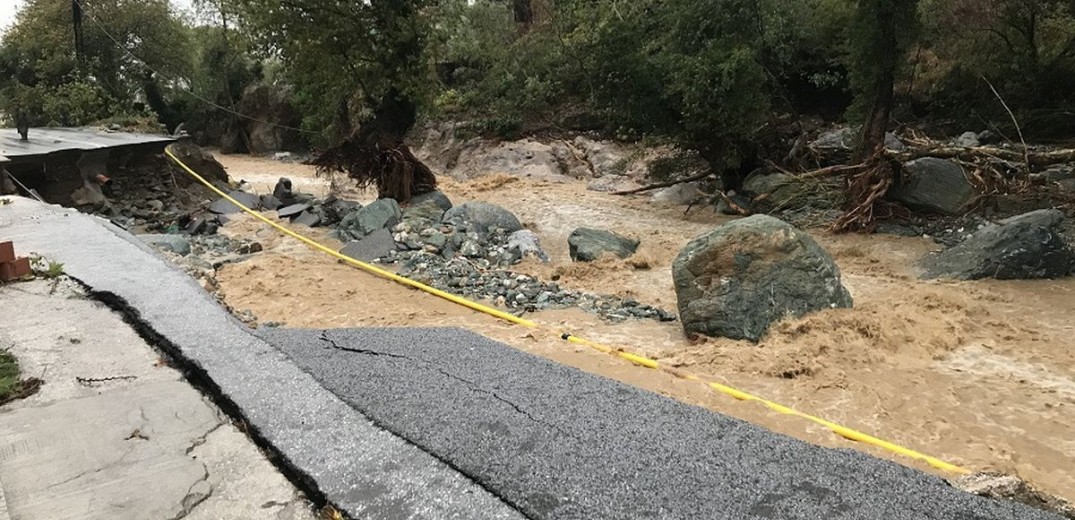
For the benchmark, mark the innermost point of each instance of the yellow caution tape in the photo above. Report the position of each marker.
(643, 361)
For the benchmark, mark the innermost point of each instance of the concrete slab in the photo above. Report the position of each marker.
(114, 433)
(132, 439)
(336, 451)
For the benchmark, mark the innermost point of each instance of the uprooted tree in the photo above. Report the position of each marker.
(879, 39)
(359, 70)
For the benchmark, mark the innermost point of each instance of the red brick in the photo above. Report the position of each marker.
(11, 271)
(22, 267)
(7, 252)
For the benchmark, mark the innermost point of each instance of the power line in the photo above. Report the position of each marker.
(87, 14)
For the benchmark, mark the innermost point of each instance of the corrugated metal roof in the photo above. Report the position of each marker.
(44, 141)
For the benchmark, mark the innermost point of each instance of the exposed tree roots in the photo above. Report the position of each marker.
(388, 166)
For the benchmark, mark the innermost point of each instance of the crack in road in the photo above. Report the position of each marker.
(324, 337)
(471, 385)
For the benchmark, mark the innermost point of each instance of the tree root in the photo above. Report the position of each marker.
(390, 167)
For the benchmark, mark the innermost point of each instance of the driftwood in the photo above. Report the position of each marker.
(1035, 159)
(660, 185)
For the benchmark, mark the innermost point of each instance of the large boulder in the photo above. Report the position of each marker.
(482, 216)
(380, 214)
(934, 184)
(273, 122)
(1028, 246)
(199, 160)
(587, 245)
(741, 277)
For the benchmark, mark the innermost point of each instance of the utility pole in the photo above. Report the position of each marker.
(76, 19)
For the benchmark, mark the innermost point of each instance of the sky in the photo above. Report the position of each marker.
(8, 8)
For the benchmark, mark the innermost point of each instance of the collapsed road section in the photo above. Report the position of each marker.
(442, 423)
(333, 452)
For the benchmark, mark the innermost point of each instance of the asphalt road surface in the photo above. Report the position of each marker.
(443, 423)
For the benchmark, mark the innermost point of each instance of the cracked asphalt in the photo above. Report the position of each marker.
(556, 442)
(443, 423)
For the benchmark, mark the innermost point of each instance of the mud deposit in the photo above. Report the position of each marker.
(980, 374)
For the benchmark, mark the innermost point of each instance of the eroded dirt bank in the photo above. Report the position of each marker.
(981, 374)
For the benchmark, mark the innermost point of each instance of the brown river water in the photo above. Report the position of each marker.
(980, 374)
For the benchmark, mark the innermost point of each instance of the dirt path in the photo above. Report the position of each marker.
(981, 374)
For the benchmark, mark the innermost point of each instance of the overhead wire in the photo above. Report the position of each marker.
(88, 14)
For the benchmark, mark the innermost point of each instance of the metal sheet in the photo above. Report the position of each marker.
(44, 141)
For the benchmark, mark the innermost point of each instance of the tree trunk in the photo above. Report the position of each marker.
(376, 156)
(524, 15)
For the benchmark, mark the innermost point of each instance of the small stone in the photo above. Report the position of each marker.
(308, 218)
(292, 211)
(225, 206)
(174, 243)
(155, 205)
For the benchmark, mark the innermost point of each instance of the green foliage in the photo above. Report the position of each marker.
(1026, 48)
(9, 375)
(43, 77)
(345, 52)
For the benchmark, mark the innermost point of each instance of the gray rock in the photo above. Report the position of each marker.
(224, 206)
(1027, 246)
(988, 137)
(376, 245)
(292, 211)
(1055, 173)
(308, 218)
(155, 205)
(678, 195)
(436, 239)
(282, 190)
(524, 242)
(741, 277)
(177, 244)
(471, 249)
(270, 202)
(933, 184)
(483, 216)
(1066, 184)
(440, 199)
(423, 213)
(1049, 218)
(846, 138)
(587, 245)
(761, 184)
(333, 210)
(381, 214)
(197, 225)
(967, 140)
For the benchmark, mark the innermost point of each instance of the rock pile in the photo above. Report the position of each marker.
(481, 279)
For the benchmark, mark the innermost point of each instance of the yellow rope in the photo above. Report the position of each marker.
(642, 361)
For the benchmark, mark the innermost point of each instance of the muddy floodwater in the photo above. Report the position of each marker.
(980, 374)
